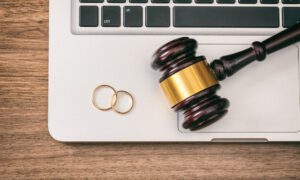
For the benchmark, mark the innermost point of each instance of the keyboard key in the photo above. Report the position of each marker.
(157, 16)
(111, 16)
(138, 1)
(116, 1)
(186, 16)
(133, 16)
(226, 1)
(88, 16)
(160, 1)
(182, 1)
(290, 16)
(204, 1)
(291, 1)
(91, 1)
(269, 1)
(247, 1)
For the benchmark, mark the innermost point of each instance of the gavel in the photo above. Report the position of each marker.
(190, 83)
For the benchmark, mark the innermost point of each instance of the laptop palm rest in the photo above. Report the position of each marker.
(264, 96)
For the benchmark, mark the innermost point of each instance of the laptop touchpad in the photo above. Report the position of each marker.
(264, 97)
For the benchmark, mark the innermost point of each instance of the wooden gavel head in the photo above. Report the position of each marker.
(189, 83)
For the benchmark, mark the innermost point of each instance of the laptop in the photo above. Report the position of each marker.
(95, 42)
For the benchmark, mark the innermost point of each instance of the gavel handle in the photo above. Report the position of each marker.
(230, 64)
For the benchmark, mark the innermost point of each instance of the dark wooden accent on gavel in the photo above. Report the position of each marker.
(206, 107)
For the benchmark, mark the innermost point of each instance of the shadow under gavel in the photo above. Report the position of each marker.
(190, 83)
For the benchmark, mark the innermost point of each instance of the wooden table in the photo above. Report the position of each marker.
(27, 150)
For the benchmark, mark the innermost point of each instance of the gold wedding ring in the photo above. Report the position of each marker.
(114, 100)
(98, 88)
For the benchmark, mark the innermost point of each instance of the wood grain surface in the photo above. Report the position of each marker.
(28, 152)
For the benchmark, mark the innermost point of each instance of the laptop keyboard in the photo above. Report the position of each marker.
(182, 16)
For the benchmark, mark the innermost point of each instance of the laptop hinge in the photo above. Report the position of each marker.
(239, 140)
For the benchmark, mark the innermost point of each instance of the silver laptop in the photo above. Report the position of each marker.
(94, 42)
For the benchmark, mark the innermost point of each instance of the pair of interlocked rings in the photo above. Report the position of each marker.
(114, 99)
